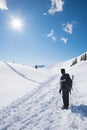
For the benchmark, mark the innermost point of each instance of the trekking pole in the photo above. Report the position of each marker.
(72, 81)
(72, 84)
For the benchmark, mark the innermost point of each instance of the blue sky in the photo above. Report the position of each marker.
(42, 31)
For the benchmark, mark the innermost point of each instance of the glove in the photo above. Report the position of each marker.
(60, 91)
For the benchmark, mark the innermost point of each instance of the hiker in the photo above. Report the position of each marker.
(65, 87)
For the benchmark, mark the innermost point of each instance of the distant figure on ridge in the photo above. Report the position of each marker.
(36, 66)
(65, 87)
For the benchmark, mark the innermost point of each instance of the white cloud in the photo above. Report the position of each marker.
(51, 35)
(68, 28)
(56, 6)
(3, 5)
(63, 39)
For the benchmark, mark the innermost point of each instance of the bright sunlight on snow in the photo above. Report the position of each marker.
(40, 108)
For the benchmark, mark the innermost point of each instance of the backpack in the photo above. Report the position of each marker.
(67, 84)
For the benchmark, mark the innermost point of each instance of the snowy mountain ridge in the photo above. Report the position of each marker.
(40, 108)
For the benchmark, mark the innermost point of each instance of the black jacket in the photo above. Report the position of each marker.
(64, 82)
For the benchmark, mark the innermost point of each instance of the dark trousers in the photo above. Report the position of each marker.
(65, 96)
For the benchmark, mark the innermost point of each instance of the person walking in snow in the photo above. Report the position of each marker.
(65, 87)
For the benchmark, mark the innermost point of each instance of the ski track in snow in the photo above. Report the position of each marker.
(40, 110)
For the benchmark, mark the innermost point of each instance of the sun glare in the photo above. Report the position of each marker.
(17, 24)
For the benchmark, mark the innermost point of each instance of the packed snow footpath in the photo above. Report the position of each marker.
(40, 109)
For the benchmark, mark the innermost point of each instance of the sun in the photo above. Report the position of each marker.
(16, 23)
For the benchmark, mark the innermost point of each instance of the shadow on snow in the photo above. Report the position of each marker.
(81, 109)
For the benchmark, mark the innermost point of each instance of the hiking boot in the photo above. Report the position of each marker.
(63, 107)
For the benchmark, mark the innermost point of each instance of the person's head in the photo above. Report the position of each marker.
(63, 71)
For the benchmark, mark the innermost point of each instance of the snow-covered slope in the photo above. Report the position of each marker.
(40, 108)
(16, 80)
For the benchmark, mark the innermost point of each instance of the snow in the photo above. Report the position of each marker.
(16, 80)
(35, 98)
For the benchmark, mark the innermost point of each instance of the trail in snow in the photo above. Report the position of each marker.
(14, 85)
(22, 75)
(40, 110)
